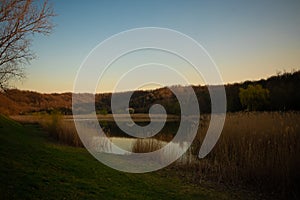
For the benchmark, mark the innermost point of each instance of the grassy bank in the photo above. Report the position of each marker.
(257, 150)
(34, 167)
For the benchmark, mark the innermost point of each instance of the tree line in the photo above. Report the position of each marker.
(277, 93)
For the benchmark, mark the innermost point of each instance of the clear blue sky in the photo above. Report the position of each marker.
(247, 39)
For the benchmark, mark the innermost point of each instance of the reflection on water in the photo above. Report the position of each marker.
(118, 142)
(124, 146)
(113, 145)
(113, 130)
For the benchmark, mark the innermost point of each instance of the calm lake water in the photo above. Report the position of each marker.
(123, 143)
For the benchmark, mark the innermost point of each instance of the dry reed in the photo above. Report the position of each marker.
(146, 145)
(260, 149)
(61, 130)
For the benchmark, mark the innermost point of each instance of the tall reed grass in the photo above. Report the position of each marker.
(61, 130)
(259, 149)
(146, 145)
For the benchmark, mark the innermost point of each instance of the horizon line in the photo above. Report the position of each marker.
(279, 73)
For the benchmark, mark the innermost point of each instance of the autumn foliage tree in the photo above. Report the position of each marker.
(254, 97)
(19, 20)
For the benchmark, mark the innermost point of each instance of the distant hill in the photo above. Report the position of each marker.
(16, 101)
(284, 95)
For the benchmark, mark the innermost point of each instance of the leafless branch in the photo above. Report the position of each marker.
(19, 20)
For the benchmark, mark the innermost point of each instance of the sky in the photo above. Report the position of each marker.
(248, 40)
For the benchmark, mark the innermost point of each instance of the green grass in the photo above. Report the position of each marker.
(35, 167)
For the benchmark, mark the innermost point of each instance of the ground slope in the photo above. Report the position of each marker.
(34, 167)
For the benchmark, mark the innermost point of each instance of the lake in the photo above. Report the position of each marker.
(123, 144)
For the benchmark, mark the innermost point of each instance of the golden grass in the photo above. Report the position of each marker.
(58, 126)
(146, 145)
(61, 130)
(261, 149)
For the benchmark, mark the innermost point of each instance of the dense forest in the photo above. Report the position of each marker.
(281, 94)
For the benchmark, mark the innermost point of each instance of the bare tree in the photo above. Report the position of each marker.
(19, 21)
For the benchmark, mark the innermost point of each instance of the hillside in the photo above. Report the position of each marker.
(283, 89)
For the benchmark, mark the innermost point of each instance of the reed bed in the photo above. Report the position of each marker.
(259, 149)
(61, 130)
(146, 145)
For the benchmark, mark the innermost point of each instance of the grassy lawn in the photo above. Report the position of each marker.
(35, 167)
